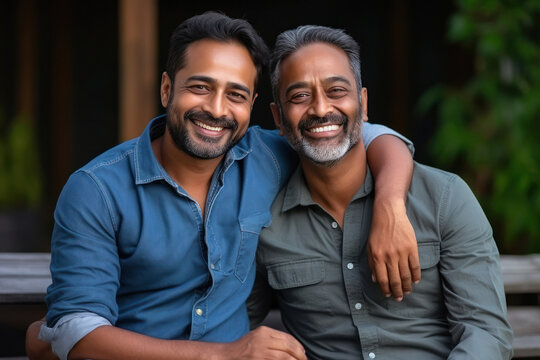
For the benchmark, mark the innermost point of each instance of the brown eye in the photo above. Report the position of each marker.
(298, 98)
(237, 96)
(337, 92)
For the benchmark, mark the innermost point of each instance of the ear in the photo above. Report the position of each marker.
(363, 104)
(253, 100)
(277, 117)
(165, 89)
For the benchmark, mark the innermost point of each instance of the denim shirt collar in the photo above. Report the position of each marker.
(297, 192)
(148, 168)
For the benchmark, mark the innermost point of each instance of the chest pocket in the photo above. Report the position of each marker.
(295, 274)
(250, 228)
(299, 283)
(426, 297)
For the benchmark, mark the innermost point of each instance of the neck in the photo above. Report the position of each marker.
(192, 174)
(334, 187)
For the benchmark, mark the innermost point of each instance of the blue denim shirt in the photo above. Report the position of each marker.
(131, 246)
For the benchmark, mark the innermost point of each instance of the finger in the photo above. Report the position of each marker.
(405, 275)
(288, 344)
(381, 275)
(394, 280)
(371, 264)
(414, 266)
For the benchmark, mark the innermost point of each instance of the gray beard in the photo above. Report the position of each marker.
(326, 155)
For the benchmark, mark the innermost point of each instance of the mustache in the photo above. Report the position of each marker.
(205, 117)
(310, 121)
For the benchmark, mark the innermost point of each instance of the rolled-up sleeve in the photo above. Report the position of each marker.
(84, 254)
(69, 330)
(471, 278)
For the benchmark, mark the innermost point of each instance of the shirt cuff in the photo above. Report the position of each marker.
(69, 330)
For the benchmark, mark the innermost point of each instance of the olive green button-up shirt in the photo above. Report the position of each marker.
(322, 280)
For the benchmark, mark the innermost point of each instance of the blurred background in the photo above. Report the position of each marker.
(461, 79)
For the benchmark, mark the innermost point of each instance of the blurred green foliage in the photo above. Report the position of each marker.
(20, 175)
(489, 127)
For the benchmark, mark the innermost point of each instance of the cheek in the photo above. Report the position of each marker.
(186, 101)
(242, 115)
(292, 116)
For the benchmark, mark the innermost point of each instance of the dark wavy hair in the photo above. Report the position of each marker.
(216, 26)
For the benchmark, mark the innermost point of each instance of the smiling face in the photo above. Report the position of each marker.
(321, 115)
(210, 101)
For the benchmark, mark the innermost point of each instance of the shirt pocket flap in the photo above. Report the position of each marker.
(429, 254)
(295, 274)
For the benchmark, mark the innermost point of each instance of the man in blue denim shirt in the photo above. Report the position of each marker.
(154, 241)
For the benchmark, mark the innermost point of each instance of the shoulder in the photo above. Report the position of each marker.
(446, 194)
(112, 169)
(437, 181)
(268, 147)
(111, 157)
(264, 140)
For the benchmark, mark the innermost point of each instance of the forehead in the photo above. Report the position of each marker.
(223, 61)
(315, 62)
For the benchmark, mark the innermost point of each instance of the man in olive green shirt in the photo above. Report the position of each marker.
(313, 255)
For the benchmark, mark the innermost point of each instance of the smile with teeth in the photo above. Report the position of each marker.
(320, 129)
(208, 127)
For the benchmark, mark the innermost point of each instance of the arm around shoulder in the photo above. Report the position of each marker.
(392, 248)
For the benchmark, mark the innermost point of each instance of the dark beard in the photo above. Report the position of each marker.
(183, 141)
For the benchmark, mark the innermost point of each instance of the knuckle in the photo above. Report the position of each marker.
(406, 277)
(395, 284)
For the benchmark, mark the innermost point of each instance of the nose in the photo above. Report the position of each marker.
(320, 106)
(216, 105)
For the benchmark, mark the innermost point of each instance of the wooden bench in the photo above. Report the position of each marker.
(24, 278)
(521, 275)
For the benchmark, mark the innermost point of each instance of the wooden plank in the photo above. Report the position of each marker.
(138, 65)
(521, 273)
(24, 277)
(526, 346)
(525, 320)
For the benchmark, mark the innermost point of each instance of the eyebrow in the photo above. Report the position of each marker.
(304, 84)
(213, 81)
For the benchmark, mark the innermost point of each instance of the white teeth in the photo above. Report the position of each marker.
(208, 127)
(324, 128)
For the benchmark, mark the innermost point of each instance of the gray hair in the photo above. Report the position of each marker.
(292, 40)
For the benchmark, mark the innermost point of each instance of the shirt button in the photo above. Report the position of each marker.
(212, 266)
(199, 312)
(371, 355)
(357, 306)
(334, 225)
(350, 266)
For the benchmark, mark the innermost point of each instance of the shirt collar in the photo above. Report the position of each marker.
(297, 192)
(148, 168)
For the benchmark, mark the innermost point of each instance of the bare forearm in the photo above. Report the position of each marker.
(108, 342)
(391, 163)
(392, 248)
